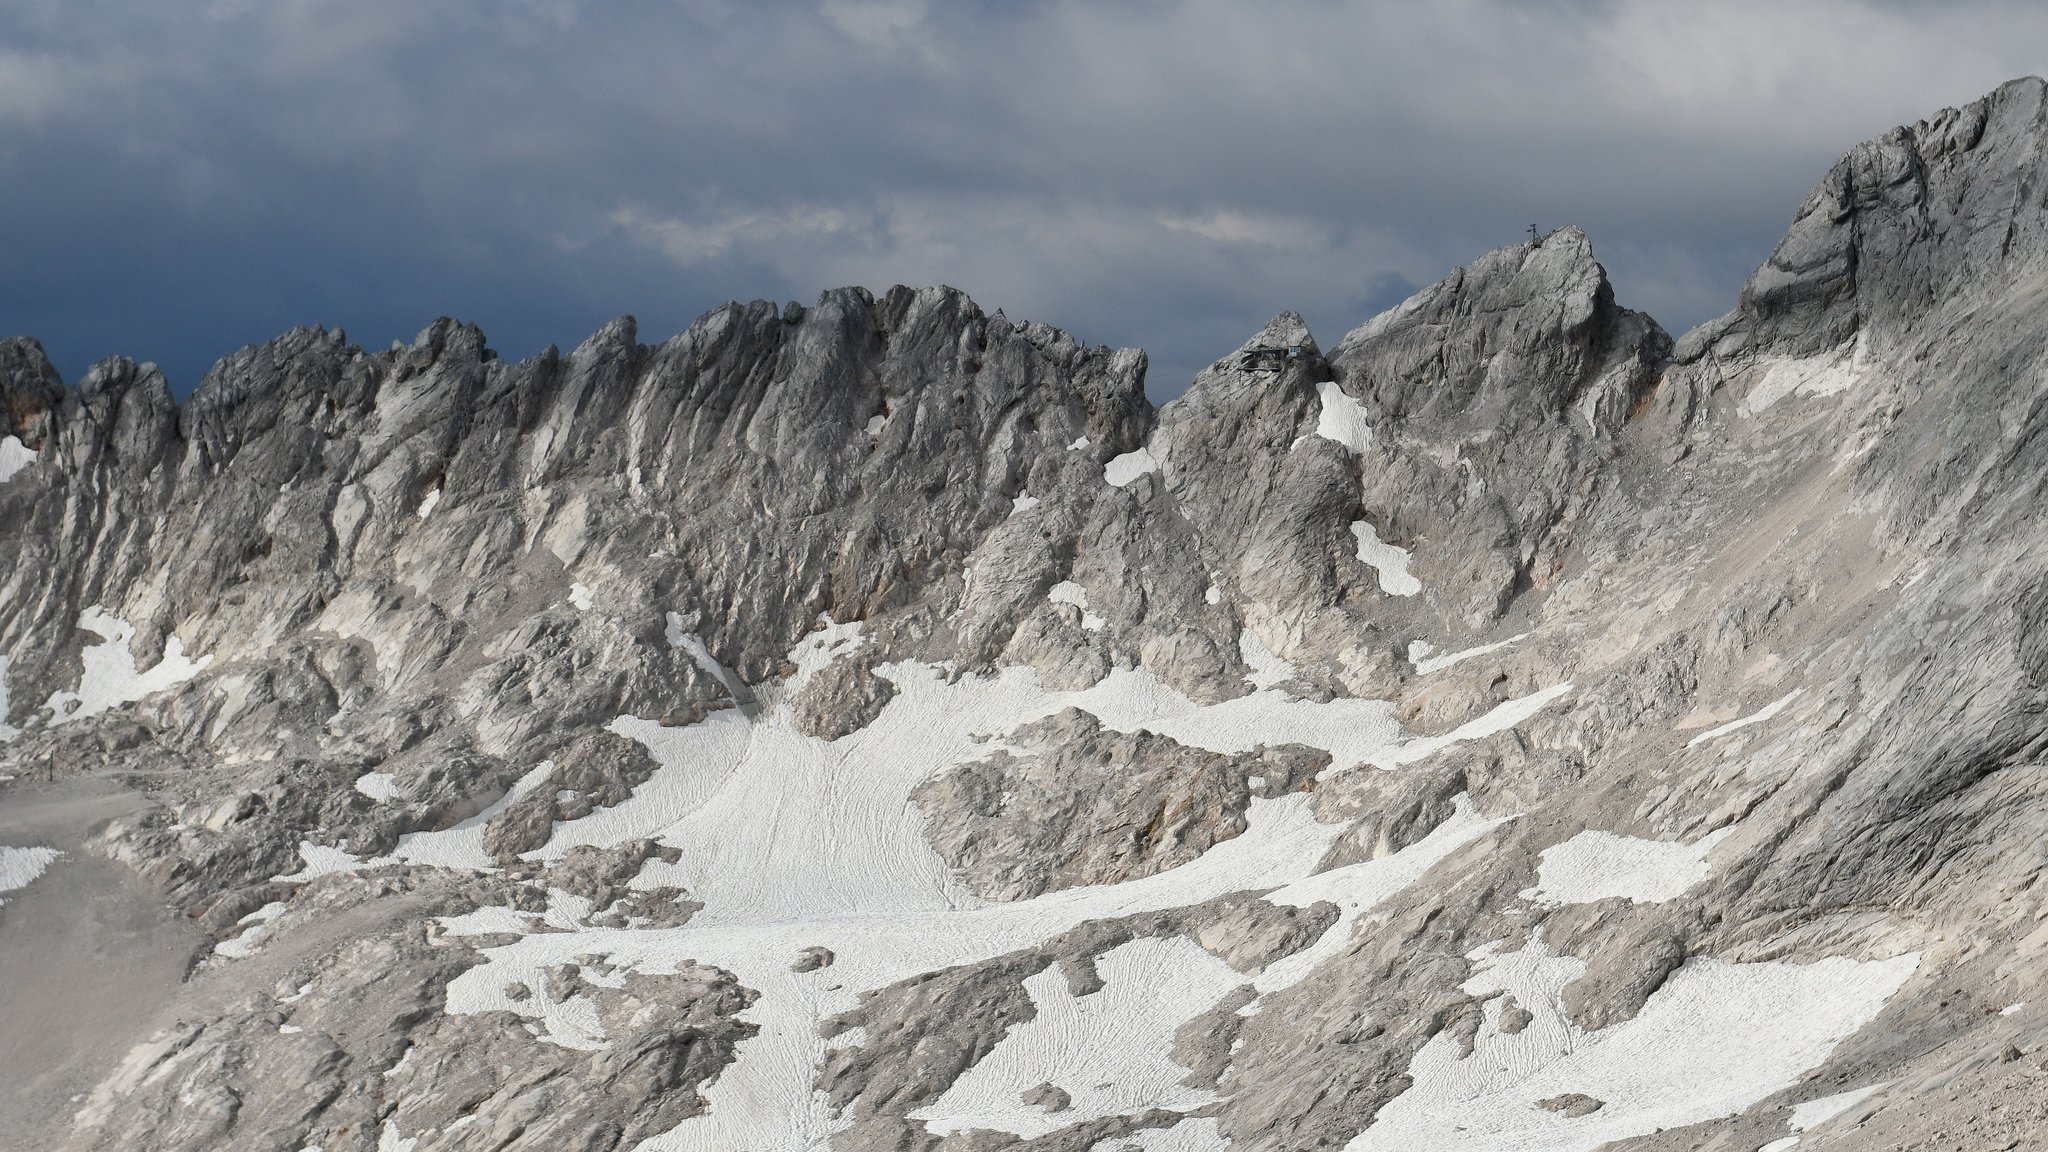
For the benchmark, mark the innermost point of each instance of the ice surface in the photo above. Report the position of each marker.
(1715, 1039)
(1757, 717)
(1597, 865)
(20, 866)
(14, 456)
(1389, 561)
(110, 678)
(1123, 469)
(1342, 419)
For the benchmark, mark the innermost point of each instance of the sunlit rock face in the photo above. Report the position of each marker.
(873, 725)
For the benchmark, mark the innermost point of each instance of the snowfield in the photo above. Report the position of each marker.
(792, 842)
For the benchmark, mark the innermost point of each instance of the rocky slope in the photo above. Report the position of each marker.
(875, 726)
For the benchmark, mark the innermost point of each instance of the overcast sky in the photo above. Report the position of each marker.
(178, 179)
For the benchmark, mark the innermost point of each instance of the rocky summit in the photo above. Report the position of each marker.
(872, 725)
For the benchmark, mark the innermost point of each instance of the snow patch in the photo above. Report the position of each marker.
(14, 456)
(380, 786)
(110, 678)
(1342, 419)
(1266, 668)
(693, 644)
(1024, 502)
(2009, 1009)
(876, 423)
(20, 866)
(1757, 717)
(255, 932)
(1078, 445)
(1111, 1051)
(1389, 561)
(1595, 865)
(1213, 595)
(1714, 1040)
(426, 507)
(1121, 470)
(580, 598)
(1068, 592)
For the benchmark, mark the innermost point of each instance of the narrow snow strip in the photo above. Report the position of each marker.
(2009, 1009)
(1419, 654)
(1815, 1113)
(1757, 717)
(1389, 561)
(426, 507)
(111, 678)
(579, 597)
(255, 932)
(694, 645)
(380, 786)
(1503, 716)
(20, 866)
(1714, 1040)
(14, 456)
(1111, 1051)
(1342, 419)
(1596, 865)
(1121, 470)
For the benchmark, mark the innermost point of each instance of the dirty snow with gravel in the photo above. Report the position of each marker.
(110, 677)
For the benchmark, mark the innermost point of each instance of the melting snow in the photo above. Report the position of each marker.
(1068, 592)
(1128, 467)
(1111, 1051)
(1714, 1040)
(20, 866)
(1342, 419)
(579, 597)
(110, 678)
(1601, 865)
(1757, 717)
(1389, 561)
(255, 932)
(14, 456)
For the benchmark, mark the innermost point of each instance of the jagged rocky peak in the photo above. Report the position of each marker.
(871, 725)
(1928, 219)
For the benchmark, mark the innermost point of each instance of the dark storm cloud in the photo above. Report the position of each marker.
(180, 179)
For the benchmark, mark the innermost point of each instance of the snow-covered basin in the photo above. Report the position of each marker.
(792, 842)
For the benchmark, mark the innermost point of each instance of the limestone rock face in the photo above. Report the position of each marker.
(874, 725)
